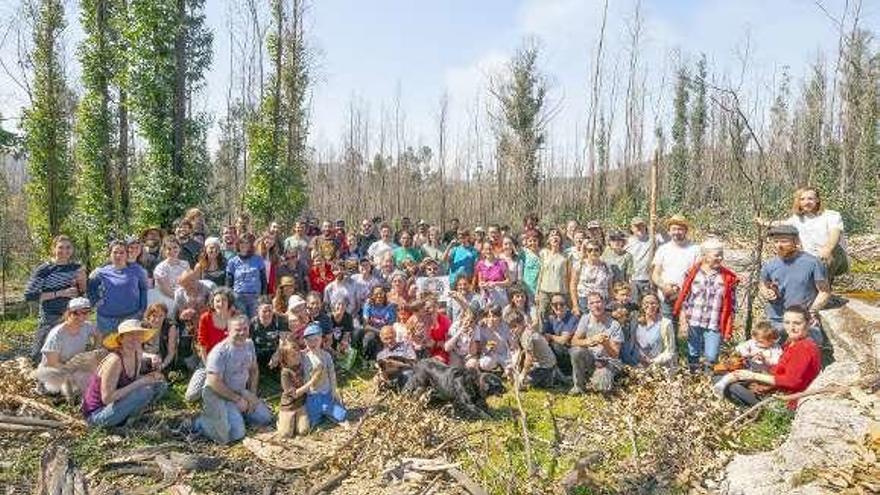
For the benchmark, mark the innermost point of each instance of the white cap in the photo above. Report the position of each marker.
(78, 303)
(295, 302)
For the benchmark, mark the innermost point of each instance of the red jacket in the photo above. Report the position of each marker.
(727, 298)
(798, 366)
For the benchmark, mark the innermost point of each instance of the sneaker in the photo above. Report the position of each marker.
(575, 391)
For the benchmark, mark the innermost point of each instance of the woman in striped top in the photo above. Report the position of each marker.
(53, 284)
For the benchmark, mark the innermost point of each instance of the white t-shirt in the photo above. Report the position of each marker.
(674, 261)
(378, 249)
(814, 231)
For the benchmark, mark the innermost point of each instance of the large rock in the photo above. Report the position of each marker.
(827, 429)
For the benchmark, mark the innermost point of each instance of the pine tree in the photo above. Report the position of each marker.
(678, 165)
(46, 126)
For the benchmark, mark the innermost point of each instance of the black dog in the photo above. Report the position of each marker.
(467, 389)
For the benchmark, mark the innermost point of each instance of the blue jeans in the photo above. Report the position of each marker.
(117, 412)
(108, 324)
(222, 422)
(247, 304)
(703, 342)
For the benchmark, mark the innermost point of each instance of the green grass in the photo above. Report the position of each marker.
(768, 431)
(16, 334)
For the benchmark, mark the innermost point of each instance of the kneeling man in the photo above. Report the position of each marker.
(229, 398)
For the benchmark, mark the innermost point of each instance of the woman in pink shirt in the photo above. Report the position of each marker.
(492, 278)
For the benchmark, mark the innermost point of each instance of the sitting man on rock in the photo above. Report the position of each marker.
(229, 397)
(595, 348)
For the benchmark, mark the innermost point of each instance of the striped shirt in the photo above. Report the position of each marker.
(51, 277)
(704, 301)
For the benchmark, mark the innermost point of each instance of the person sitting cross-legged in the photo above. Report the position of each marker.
(229, 397)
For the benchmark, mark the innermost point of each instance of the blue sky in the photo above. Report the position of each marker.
(369, 47)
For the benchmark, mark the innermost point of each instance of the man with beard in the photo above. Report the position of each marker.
(189, 247)
(671, 261)
(365, 237)
(151, 238)
(230, 239)
(792, 278)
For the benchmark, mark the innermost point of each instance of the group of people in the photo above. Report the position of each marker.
(567, 306)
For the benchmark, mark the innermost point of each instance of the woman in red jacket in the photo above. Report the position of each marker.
(799, 365)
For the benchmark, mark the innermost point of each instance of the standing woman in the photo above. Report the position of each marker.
(591, 274)
(433, 248)
(492, 276)
(118, 290)
(267, 249)
(212, 263)
(167, 274)
(510, 254)
(554, 276)
(246, 274)
(53, 284)
(530, 260)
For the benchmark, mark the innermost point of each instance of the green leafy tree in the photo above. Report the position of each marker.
(46, 126)
(698, 125)
(161, 35)
(95, 128)
(678, 164)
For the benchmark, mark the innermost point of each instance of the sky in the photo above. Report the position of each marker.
(370, 50)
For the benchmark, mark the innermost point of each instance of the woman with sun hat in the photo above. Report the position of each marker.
(124, 382)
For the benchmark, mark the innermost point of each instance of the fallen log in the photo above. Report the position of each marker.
(328, 483)
(27, 420)
(26, 401)
(20, 428)
(58, 474)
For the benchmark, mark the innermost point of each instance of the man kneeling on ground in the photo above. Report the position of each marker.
(229, 397)
(595, 348)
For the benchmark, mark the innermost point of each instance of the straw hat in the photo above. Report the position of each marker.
(286, 281)
(678, 219)
(112, 341)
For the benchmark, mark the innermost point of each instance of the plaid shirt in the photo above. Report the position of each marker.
(703, 305)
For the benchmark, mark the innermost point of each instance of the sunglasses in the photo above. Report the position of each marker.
(82, 312)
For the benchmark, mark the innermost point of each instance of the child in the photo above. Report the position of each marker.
(464, 339)
(322, 395)
(292, 418)
(762, 351)
(536, 361)
(495, 336)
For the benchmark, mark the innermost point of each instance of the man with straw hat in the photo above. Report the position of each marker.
(671, 261)
(229, 397)
(124, 383)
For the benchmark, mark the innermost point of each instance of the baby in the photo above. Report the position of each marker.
(292, 418)
(762, 351)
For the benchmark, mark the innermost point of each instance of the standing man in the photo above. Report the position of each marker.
(189, 247)
(671, 261)
(365, 238)
(639, 247)
(595, 348)
(792, 278)
(230, 240)
(229, 397)
(452, 233)
(378, 249)
(708, 299)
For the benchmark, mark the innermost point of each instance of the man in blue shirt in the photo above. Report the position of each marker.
(793, 277)
(558, 329)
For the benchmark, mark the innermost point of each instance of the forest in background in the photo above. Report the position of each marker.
(130, 150)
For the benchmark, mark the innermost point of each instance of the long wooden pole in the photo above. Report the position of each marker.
(652, 218)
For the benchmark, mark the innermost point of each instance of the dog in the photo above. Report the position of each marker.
(467, 389)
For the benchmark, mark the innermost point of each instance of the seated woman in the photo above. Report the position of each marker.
(653, 341)
(429, 329)
(798, 366)
(212, 330)
(322, 396)
(338, 341)
(377, 313)
(66, 366)
(519, 303)
(124, 383)
(162, 347)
